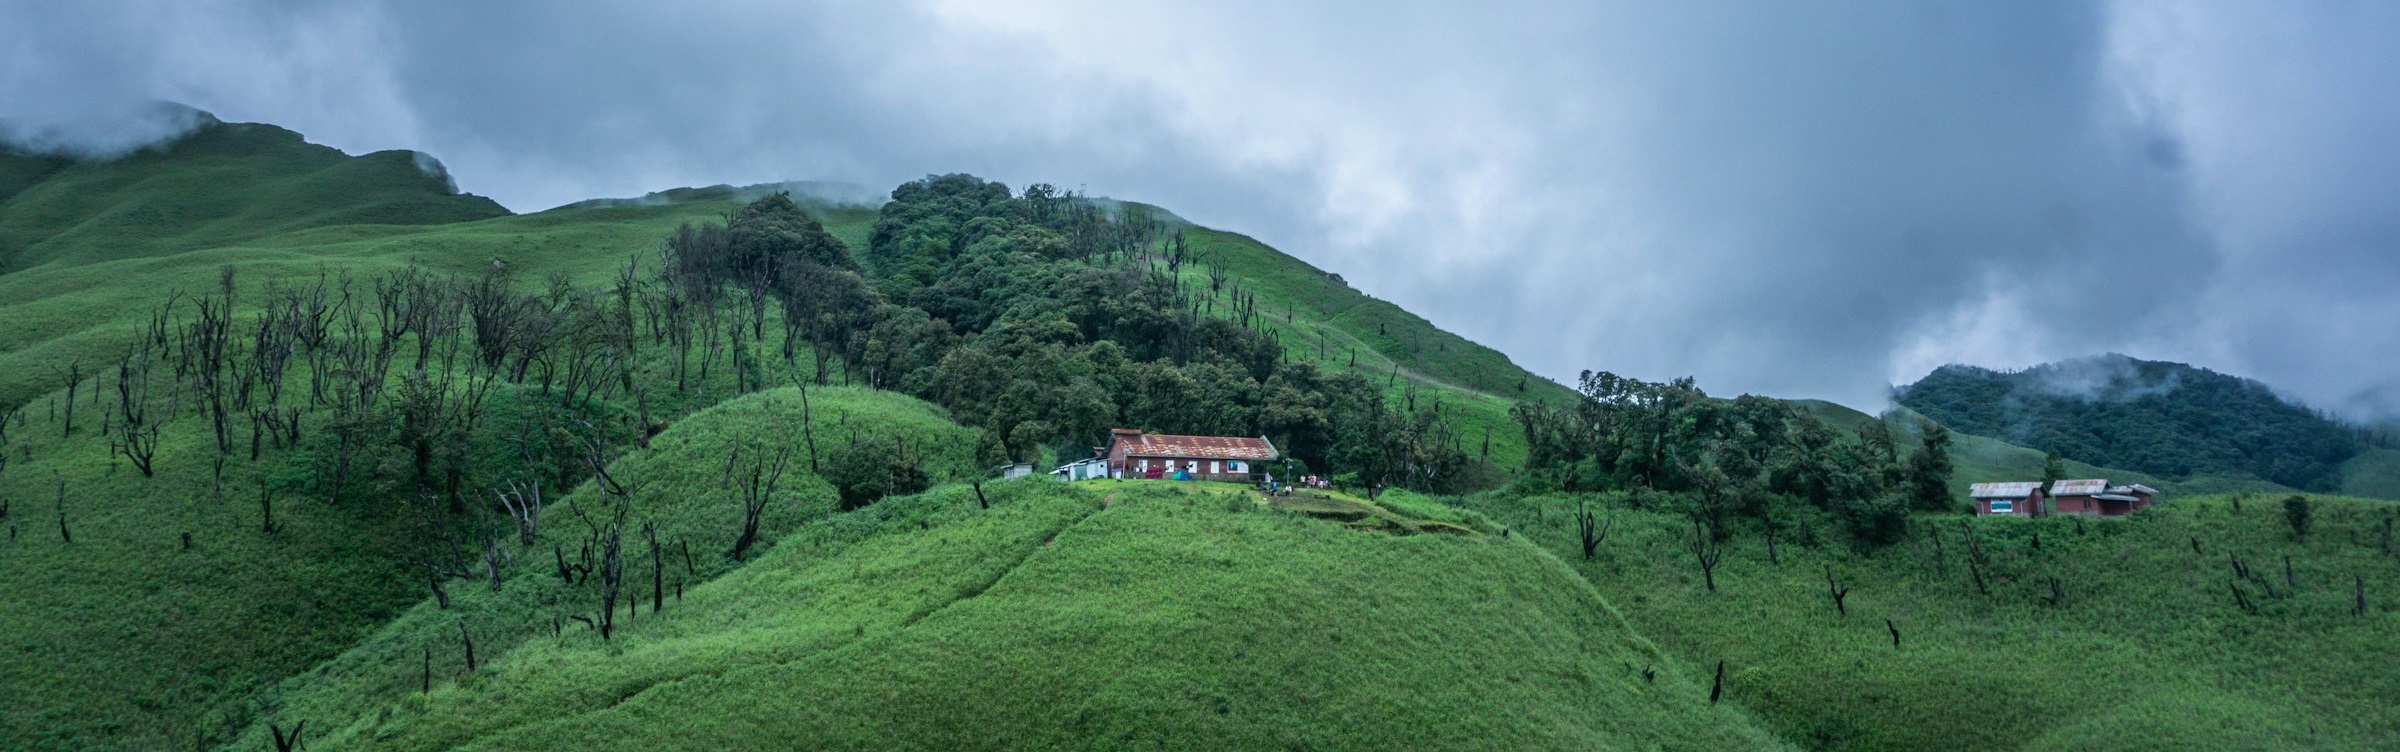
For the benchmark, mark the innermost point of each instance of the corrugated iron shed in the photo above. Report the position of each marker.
(2003, 490)
(1203, 447)
(2079, 487)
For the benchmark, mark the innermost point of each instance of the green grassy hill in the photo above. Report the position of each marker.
(94, 248)
(2143, 646)
(222, 184)
(2374, 473)
(1100, 615)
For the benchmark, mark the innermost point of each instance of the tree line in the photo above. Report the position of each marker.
(1750, 461)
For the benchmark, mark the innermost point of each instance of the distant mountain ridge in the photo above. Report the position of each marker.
(220, 184)
(2170, 419)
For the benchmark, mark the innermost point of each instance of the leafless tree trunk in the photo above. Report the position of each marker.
(63, 533)
(284, 743)
(612, 573)
(523, 502)
(757, 489)
(658, 577)
(266, 509)
(469, 642)
(1707, 550)
(1840, 593)
(1594, 529)
(1717, 689)
(73, 375)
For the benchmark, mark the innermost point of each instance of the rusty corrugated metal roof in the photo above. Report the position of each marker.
(1202, 447)
(2079, 487)
(2003, 490)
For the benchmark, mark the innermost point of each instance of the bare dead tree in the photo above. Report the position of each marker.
(496, 559)
(1593, 529)
(1717, 689)
(63, 533)
(73, 376)
(438, 581)
(1839, 592)
(2058, 593)
(266, 509)
(1895, 628)
(2358, 584)
(284, 743)
(658, 576)
(612, 572)
(1707, 550)
(523, 502)
(137, 435)
(757, 488)
(597, 456)
(468, 641)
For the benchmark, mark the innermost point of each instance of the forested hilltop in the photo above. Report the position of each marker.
(2169, 419)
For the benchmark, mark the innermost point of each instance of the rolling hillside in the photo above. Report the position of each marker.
(94, 249)
(2166, 419)
(295, 444)
(1023, 614)
(1981, 652)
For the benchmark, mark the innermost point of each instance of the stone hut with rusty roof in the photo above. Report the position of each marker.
(1134, 454)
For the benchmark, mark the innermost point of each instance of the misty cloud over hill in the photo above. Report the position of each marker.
(1805, 202)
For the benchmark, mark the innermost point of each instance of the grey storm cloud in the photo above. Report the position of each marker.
(1780, 199)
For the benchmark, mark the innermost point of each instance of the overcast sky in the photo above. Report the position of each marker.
(1801, 202)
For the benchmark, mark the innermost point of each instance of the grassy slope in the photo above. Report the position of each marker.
(124, 634)
(2373, 473)
(680, 486)
(1328, 322)
(221, 185)
(2146, 651)
(1099, 615)
(61, 313)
